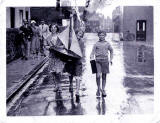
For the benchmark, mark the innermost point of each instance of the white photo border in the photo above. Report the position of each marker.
(142, 118)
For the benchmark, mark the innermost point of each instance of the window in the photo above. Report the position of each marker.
(141, 54)
(21, 17)
(12, 11)
(141, 30)
(26, 15)
(138, 26)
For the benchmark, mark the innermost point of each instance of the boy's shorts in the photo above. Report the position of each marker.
(74, 68)
(102, 65)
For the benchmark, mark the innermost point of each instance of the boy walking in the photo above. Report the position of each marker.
(100, 54)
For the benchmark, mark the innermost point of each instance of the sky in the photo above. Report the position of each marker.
(106, 10)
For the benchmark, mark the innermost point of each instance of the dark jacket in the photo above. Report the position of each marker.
(26, 32)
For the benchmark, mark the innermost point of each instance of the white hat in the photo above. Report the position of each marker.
(33, 21)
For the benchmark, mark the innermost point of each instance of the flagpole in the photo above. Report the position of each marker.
(70, 32)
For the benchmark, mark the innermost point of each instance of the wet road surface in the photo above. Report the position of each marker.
(18, 70)
(126, 93)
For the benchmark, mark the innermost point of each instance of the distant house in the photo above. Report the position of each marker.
(15, 16)
(108, 25)
(117, 20)
(92, 25)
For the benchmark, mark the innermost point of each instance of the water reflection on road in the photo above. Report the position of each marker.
(116, 94)
(119, 98)
(126, 94)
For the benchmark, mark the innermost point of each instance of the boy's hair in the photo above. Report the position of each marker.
(101, 31)
(77, 31)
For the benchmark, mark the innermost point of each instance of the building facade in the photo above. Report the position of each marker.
(15, 16)
(136, 20)
(117, 19)
(108, 25)
(93, 23)
(97, 21)
(139, 21)
(138, 53)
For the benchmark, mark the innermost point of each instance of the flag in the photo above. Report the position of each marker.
(75, 47)
(65, 39)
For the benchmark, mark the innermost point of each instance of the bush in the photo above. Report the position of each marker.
(13, 47)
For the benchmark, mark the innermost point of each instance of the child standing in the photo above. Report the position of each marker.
(75, 68)
(100, 51)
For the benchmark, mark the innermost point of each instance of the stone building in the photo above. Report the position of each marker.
(139, 21)
(138, 53)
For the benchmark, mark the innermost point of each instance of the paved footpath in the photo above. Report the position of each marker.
(18, 70)
(40, 99)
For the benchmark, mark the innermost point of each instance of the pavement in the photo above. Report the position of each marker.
(127, 92)
(18, 70)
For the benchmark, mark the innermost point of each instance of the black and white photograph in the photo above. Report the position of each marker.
(70, 59)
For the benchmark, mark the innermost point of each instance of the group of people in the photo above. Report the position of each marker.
(57, 64)
(75, 68)
(41, 40)
(32, 38)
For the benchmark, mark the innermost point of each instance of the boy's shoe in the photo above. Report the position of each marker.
(55, 89)
(103, 93)
(22, 57)
(98, 93)
(25, 58)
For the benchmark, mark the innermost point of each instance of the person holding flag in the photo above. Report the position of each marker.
(56, 65)
(75, 67)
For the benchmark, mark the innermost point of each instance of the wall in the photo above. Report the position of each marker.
(131, 63)
(131, 48)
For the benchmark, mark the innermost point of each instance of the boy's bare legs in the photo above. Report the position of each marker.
(78, 78)
(103, 84)
(77, 84)
(57, 81)
(103, 81)
(71, 83)
(98, 75)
